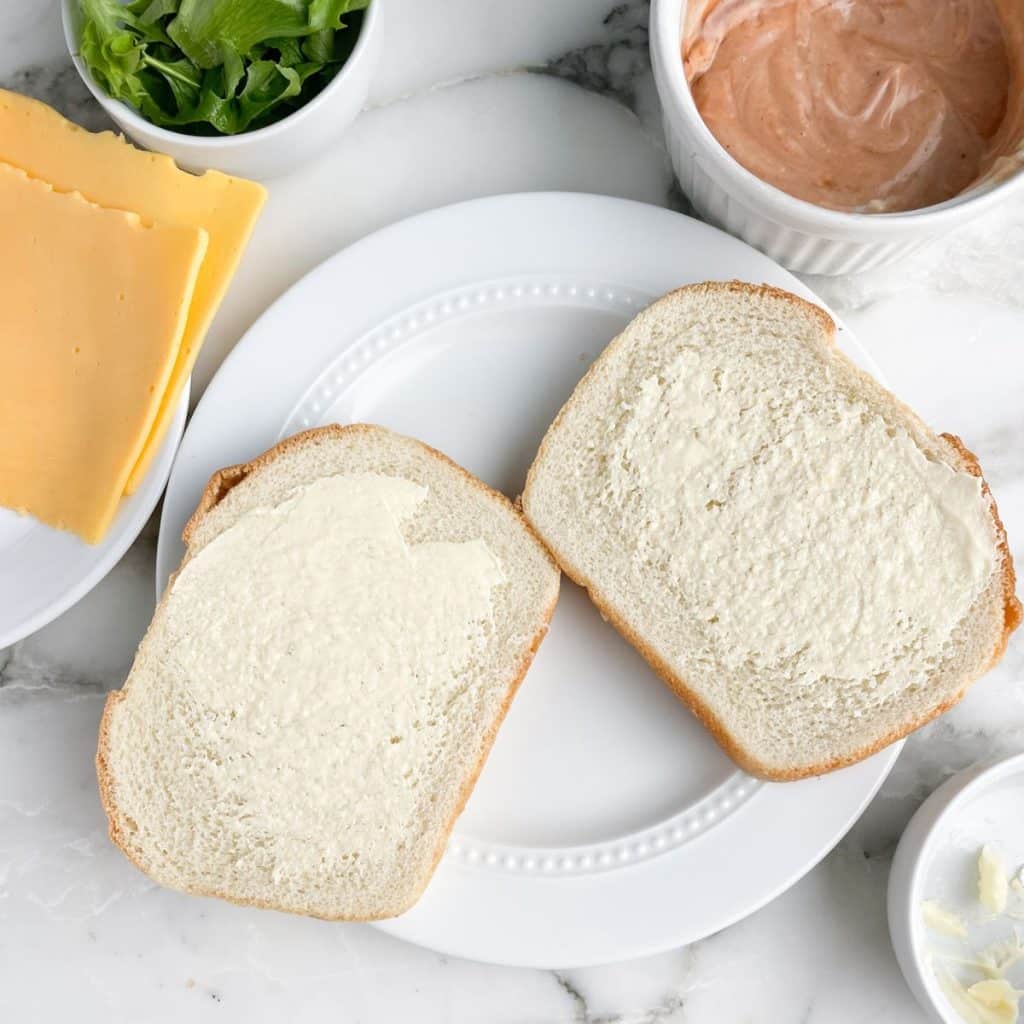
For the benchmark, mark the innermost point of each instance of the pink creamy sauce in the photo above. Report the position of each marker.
(861, 105)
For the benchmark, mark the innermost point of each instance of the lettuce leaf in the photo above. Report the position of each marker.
(217, 66)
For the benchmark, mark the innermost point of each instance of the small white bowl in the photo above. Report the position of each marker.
(266, 152)
(936, 859)
(798, 234)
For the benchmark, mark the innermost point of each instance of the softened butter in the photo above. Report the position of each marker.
(810, 540)
(367, 635)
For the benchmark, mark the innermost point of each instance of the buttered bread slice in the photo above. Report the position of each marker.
(801, 559)
(319, 687)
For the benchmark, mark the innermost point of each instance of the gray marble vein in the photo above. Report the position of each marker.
(618, 65)
(579, 1004)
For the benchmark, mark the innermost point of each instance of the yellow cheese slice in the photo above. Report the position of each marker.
(93, 305)
(110, 172)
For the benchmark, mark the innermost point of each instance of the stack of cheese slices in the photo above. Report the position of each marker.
(813, 570)
(115, 262)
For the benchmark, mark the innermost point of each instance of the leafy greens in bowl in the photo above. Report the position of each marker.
(216, 67)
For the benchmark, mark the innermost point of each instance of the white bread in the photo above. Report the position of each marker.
(311, 705)
(810, 568)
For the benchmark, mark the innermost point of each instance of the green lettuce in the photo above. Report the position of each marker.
(217, 67)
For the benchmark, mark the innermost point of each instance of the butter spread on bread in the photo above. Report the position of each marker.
(805, 563)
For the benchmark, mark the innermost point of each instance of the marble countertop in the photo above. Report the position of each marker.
(474, 98)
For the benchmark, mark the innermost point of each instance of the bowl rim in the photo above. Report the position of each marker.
(122, 112)
(949, 798)
(665, 41)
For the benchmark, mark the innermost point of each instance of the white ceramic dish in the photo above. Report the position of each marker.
(43, 571)
(261, 154)
(937, 860)
(799, 235)
(606, 823)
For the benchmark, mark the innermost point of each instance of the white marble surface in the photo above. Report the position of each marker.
(475, 97)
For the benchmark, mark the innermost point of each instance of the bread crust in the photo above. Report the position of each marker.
(1012, 612)
(221, 483)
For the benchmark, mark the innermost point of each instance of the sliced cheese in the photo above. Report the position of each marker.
(108, 171)
(93, 305)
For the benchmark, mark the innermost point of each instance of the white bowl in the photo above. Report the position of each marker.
(798, 234)
(936, 858)
(266, 152)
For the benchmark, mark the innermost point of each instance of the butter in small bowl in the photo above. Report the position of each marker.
(956, 897)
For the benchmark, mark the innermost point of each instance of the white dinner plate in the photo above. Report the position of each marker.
(44, 571)
(606, 824)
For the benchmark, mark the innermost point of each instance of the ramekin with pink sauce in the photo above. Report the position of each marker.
(801, 235)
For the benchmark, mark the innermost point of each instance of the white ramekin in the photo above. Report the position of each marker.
(800, 235)
(269, 151)
(940, 820)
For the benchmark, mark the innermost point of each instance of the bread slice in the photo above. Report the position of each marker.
(323, 679)
(810, 568)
